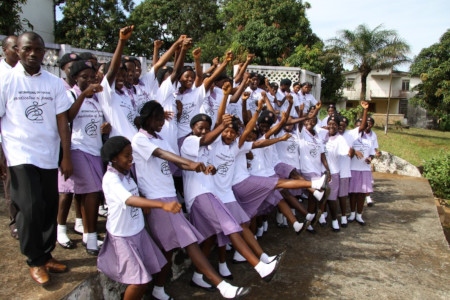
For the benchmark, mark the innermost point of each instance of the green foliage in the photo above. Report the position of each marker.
(352, 114)
(437, 171)
(92, 24)
(369, 49)
(433, 66)
(10, 22)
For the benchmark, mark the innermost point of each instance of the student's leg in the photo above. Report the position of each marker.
(89, 212)
(65, 201)
(249, 238)
(353, 197)
(202, 264)
(134, 291)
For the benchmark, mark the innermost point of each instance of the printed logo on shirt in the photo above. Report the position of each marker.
(314, 149)
(292, 148)
(91, 128)
(165, 169)
(130, 118)
(134, 212)
(34, 113)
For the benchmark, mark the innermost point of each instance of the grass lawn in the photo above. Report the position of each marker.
(414, 145)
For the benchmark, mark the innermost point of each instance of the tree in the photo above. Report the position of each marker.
(167, 20)
(271, 29)
(92, 24)
(433, 66)
(318, 60)
(369, 50)
(10, 21)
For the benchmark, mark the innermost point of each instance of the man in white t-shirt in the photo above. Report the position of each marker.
(33, 111)
(9, 45)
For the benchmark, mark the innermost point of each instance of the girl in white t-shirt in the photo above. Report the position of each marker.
(170, 231)
(129, 255)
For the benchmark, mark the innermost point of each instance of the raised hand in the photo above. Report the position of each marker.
(125, 32)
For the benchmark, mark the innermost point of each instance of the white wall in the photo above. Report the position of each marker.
(40, 13)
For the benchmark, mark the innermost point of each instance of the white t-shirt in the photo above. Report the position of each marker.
(194, 183)
(289, 151)
(166, 97)
(118, 110)
(344, 162)
(362, 144)
(223, 157)
(28, 109)
(86, 133)
(123, 220)
(151, 84)
(192, 99)
(4, 66)
(308, 100)
(252, 101)
(296, 102)
(311, 149)
(211, 104)
(153, 173)
(241, 172)
(262, 163)
(335, 148)
(373, 136)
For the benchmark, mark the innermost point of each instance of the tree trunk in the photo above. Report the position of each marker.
(362, 96)
(388, 102)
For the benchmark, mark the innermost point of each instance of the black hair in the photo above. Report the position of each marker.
(32, 36)
(266, 117)
(286, 81)
(162, 73)
(6, 39)
(306, 83)
(184, 70)
(150, 110)
(334, 117)
(344, 119)
(112, 147)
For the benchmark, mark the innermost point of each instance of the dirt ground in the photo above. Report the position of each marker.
(401, 253)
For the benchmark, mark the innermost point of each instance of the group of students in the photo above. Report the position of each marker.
(233, 149)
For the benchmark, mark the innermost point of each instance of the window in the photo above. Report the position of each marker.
(405, 85)
(350, 84)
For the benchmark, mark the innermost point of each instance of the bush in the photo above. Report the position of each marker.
(437, 171)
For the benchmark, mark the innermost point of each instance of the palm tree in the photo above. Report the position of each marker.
(369, 50)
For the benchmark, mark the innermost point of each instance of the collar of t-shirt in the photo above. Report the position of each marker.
(144, 132)
(20, 66)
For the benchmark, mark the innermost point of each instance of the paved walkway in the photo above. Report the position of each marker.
(400, 254)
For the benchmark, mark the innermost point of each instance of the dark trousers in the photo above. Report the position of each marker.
(34, 191)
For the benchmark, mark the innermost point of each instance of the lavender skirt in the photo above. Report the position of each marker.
(334, 187)
(87, 172)
(284, 170)
(64, 186)
(256, 194)
(211, 217)
(343, 186)
(361, 182)
(130, 260)
(170, 230)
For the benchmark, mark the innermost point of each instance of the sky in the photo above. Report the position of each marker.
(419, 23)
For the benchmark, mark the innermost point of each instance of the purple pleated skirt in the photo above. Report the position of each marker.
(64, 186)
(361, 182)
(170, 230)
(130, 260)
(256, 194)
(284, 170)
(334, 187)
(343, 186)
(87, 172)
(211, 217)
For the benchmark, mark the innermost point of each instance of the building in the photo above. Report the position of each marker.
(41, 15)
(377, 93)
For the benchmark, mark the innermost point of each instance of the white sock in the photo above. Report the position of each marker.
(228, 247)
(352, 216)
(310, 217)
(266, 258)
(91, 242)
(265, 226)
(368, 199)
(227, 290)
(159, 293)
(325, 214)
(285, 222)
(317, 183)
(265, 269)
(297, 226)
(197, 278)
(238, 257)
(279, 218)
(85, 238)
(223, 269)
(359, 218)
(322, 218)
(79, 225)
(344, 220)
(310, 227)
(62, 234)
(293, 211)
(335, 224)
(259, 231)
(318, 195)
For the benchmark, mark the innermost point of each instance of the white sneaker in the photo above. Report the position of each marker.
(369, 201)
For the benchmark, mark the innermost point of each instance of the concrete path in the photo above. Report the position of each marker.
(400, 254)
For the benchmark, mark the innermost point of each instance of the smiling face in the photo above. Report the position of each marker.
(310, 124)
(120, 79)
(332, 127)
(187, 79)
(123, 161)
(201, 128)
(85, 78)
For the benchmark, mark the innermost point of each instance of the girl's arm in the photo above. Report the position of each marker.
(156, 46)
(226, 88)
(276, 129)
(250, 125)
(75, 108)
(323, 158)
(210, 80)
(246, 114)
(197, 53)
(270, 142)
(136, 201)
(241, 88)
(267, 102)
(240, 75)
(181, 162)
(363, 124)
(161, 62)
(186, 43)
(124, 35)
(215, 63)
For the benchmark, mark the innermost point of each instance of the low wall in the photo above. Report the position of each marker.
(389, 163)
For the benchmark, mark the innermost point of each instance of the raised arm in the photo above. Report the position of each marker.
(251, 124)
(210, 80)
(242, 70)
(363, 125)
(124, 35)
(162, 61)
(197, 53)
(157, 44)
(275, 129)
(241, 88)
(186, 43)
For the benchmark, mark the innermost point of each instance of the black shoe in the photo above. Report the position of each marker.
(312, 231)
(209, 289)
(269, 276)
(241, 292)
(344, 225)
(336, 229)
(305, 224)
(229, 277)
(323, 224)
(67, 245)
(362, 223)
